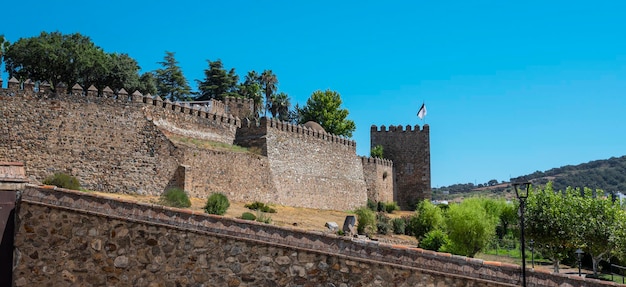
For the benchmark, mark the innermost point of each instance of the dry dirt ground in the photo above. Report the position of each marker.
(302, 218)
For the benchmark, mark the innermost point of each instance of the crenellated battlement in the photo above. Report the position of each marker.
(28, 88)
(376, 161)
(302, 130)
(399, 128)
(234, 100)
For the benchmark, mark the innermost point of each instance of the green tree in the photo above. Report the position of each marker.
(269, 85)
(377, 151)
(427, 217)
(171, 83)
(73, 58)
(325, 109)
(56, 58)
(469, 227)
(121, 71)
(251, 89)
(550, 220)
(4, 46)
(148, 83)
(279, 106)
(508, 217)
(218, 83)
(620, 237)
(597, 224)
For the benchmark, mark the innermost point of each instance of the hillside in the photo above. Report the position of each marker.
(608, 175)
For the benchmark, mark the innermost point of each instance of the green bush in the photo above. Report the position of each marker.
(248, 216)
(371, 205)
(366, 220)
(217, 203)
(398, 225)
(412, 225)
(261, 217)
(260, 206)
(63, 180)
(383, 223)
(380, 207)
(390, 207)
(434, 240)
(428, 217)
(175, 197)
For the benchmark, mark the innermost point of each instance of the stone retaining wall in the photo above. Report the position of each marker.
(71, 238)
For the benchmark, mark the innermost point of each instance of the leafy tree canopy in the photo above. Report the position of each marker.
(251, 89)
(279, 106)
(269, 85)
(325, 109)
(470, 227)
(73, 58)
(171, 82)
(218, 83)
(377, 151)
(550, 221)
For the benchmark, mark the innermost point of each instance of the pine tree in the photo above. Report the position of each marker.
(171, 82)
(218, 83)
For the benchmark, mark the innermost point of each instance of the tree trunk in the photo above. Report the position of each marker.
(555, 265)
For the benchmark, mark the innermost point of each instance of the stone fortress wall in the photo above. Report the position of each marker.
(379, 179)
(120, 142)
(304, 162)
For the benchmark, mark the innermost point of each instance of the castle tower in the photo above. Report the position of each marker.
(409, 149)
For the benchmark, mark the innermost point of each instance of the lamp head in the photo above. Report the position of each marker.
(579, 252)
(521, 189)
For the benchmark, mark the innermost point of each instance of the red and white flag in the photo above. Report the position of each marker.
(422, 112)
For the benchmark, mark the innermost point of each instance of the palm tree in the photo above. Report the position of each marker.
(279, 106)
(269, 83)
(251, 88)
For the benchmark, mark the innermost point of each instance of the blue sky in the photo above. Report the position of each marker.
(510, 88)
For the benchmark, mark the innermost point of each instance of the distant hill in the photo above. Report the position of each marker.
(607, 174)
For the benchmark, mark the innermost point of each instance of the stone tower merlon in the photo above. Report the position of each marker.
(238, 107)
(409, 149)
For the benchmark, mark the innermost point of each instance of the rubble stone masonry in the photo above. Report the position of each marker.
(71, 238)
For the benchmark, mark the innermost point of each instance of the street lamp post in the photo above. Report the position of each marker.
(579, 254)
(522, 195)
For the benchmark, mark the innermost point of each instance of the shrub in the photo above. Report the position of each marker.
(261, 217)
(260, 206)
(217, 203)
(380, 207)
(175, 197)
(371, 205)
(390, 207)
(434, 240)
(398, 225)
(366, 220)
(248, 216)
(63, 180)
(382, 223)
(428, 217)
(412, 225)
